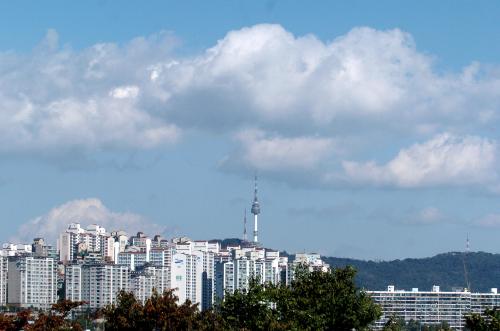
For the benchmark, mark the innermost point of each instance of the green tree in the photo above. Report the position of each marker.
(395, 323)
(490, 321)
(125, 315)
(159, 312)
(330, 301)
(315, 301)
(249, 309)
(399, 324)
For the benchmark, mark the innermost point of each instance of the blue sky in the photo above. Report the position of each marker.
(373, 126)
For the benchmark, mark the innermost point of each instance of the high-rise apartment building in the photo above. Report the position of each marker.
(98, 284)
(186, 277)
(162, 256)
(207, 260)
(76, 239)
(149, 279)
(32, 281)
(255, 262)
(40, 248)
(73, 279)
(3, 279)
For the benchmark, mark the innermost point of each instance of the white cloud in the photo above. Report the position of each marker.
(276, 153)
(299, 92)
(85, 212)
(444, 160)
(426, 216)
(277, 75)
(124, 92)
(489, 221)
(57, 99)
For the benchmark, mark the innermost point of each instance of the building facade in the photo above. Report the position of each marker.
(3, 279)
(77, 240)
(186, 277)
(149, 279)
(100, 283)
(432, 307)
(32, 282)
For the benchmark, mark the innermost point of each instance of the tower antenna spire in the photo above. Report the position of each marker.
(245, 226)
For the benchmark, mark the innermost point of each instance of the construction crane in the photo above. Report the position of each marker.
(464, 260)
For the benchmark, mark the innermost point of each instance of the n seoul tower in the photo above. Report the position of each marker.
(255, 212)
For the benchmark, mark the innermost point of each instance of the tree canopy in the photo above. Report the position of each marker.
(314, 301)
(489, 322)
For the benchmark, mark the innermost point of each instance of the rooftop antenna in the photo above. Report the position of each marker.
(464, 257)
(245, 226)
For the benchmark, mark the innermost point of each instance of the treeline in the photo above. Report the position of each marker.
(314, 301)
(55, 319)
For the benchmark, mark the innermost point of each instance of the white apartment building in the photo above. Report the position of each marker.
(186, 277)
(101, 283)
(137, 256)
(140, 240)
(132, 258)
(235, 274)
(432, 307)
(207, 260)
(224, 279)
(3, 279)
(162, 256)
(159, 242)
(32, 281)
(10, 249)
(73, 278)
(93, 239)
(143, 283)
(311, 261)
(121, 238)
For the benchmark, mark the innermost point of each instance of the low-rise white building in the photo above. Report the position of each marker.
(432, 307)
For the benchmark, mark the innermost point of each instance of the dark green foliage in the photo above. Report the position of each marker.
(491, 321)
(446, 270)
(399, 324)
(160, 312)
(334, 299)
(250, 310)
(315, 301)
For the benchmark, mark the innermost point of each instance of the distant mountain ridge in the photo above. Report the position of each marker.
(445, 270)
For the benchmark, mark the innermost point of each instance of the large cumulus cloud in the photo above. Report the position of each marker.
(289, 104)
(86, 212)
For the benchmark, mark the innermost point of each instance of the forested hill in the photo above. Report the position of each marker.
(445, 270)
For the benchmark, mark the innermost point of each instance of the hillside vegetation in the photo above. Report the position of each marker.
(445, 270)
